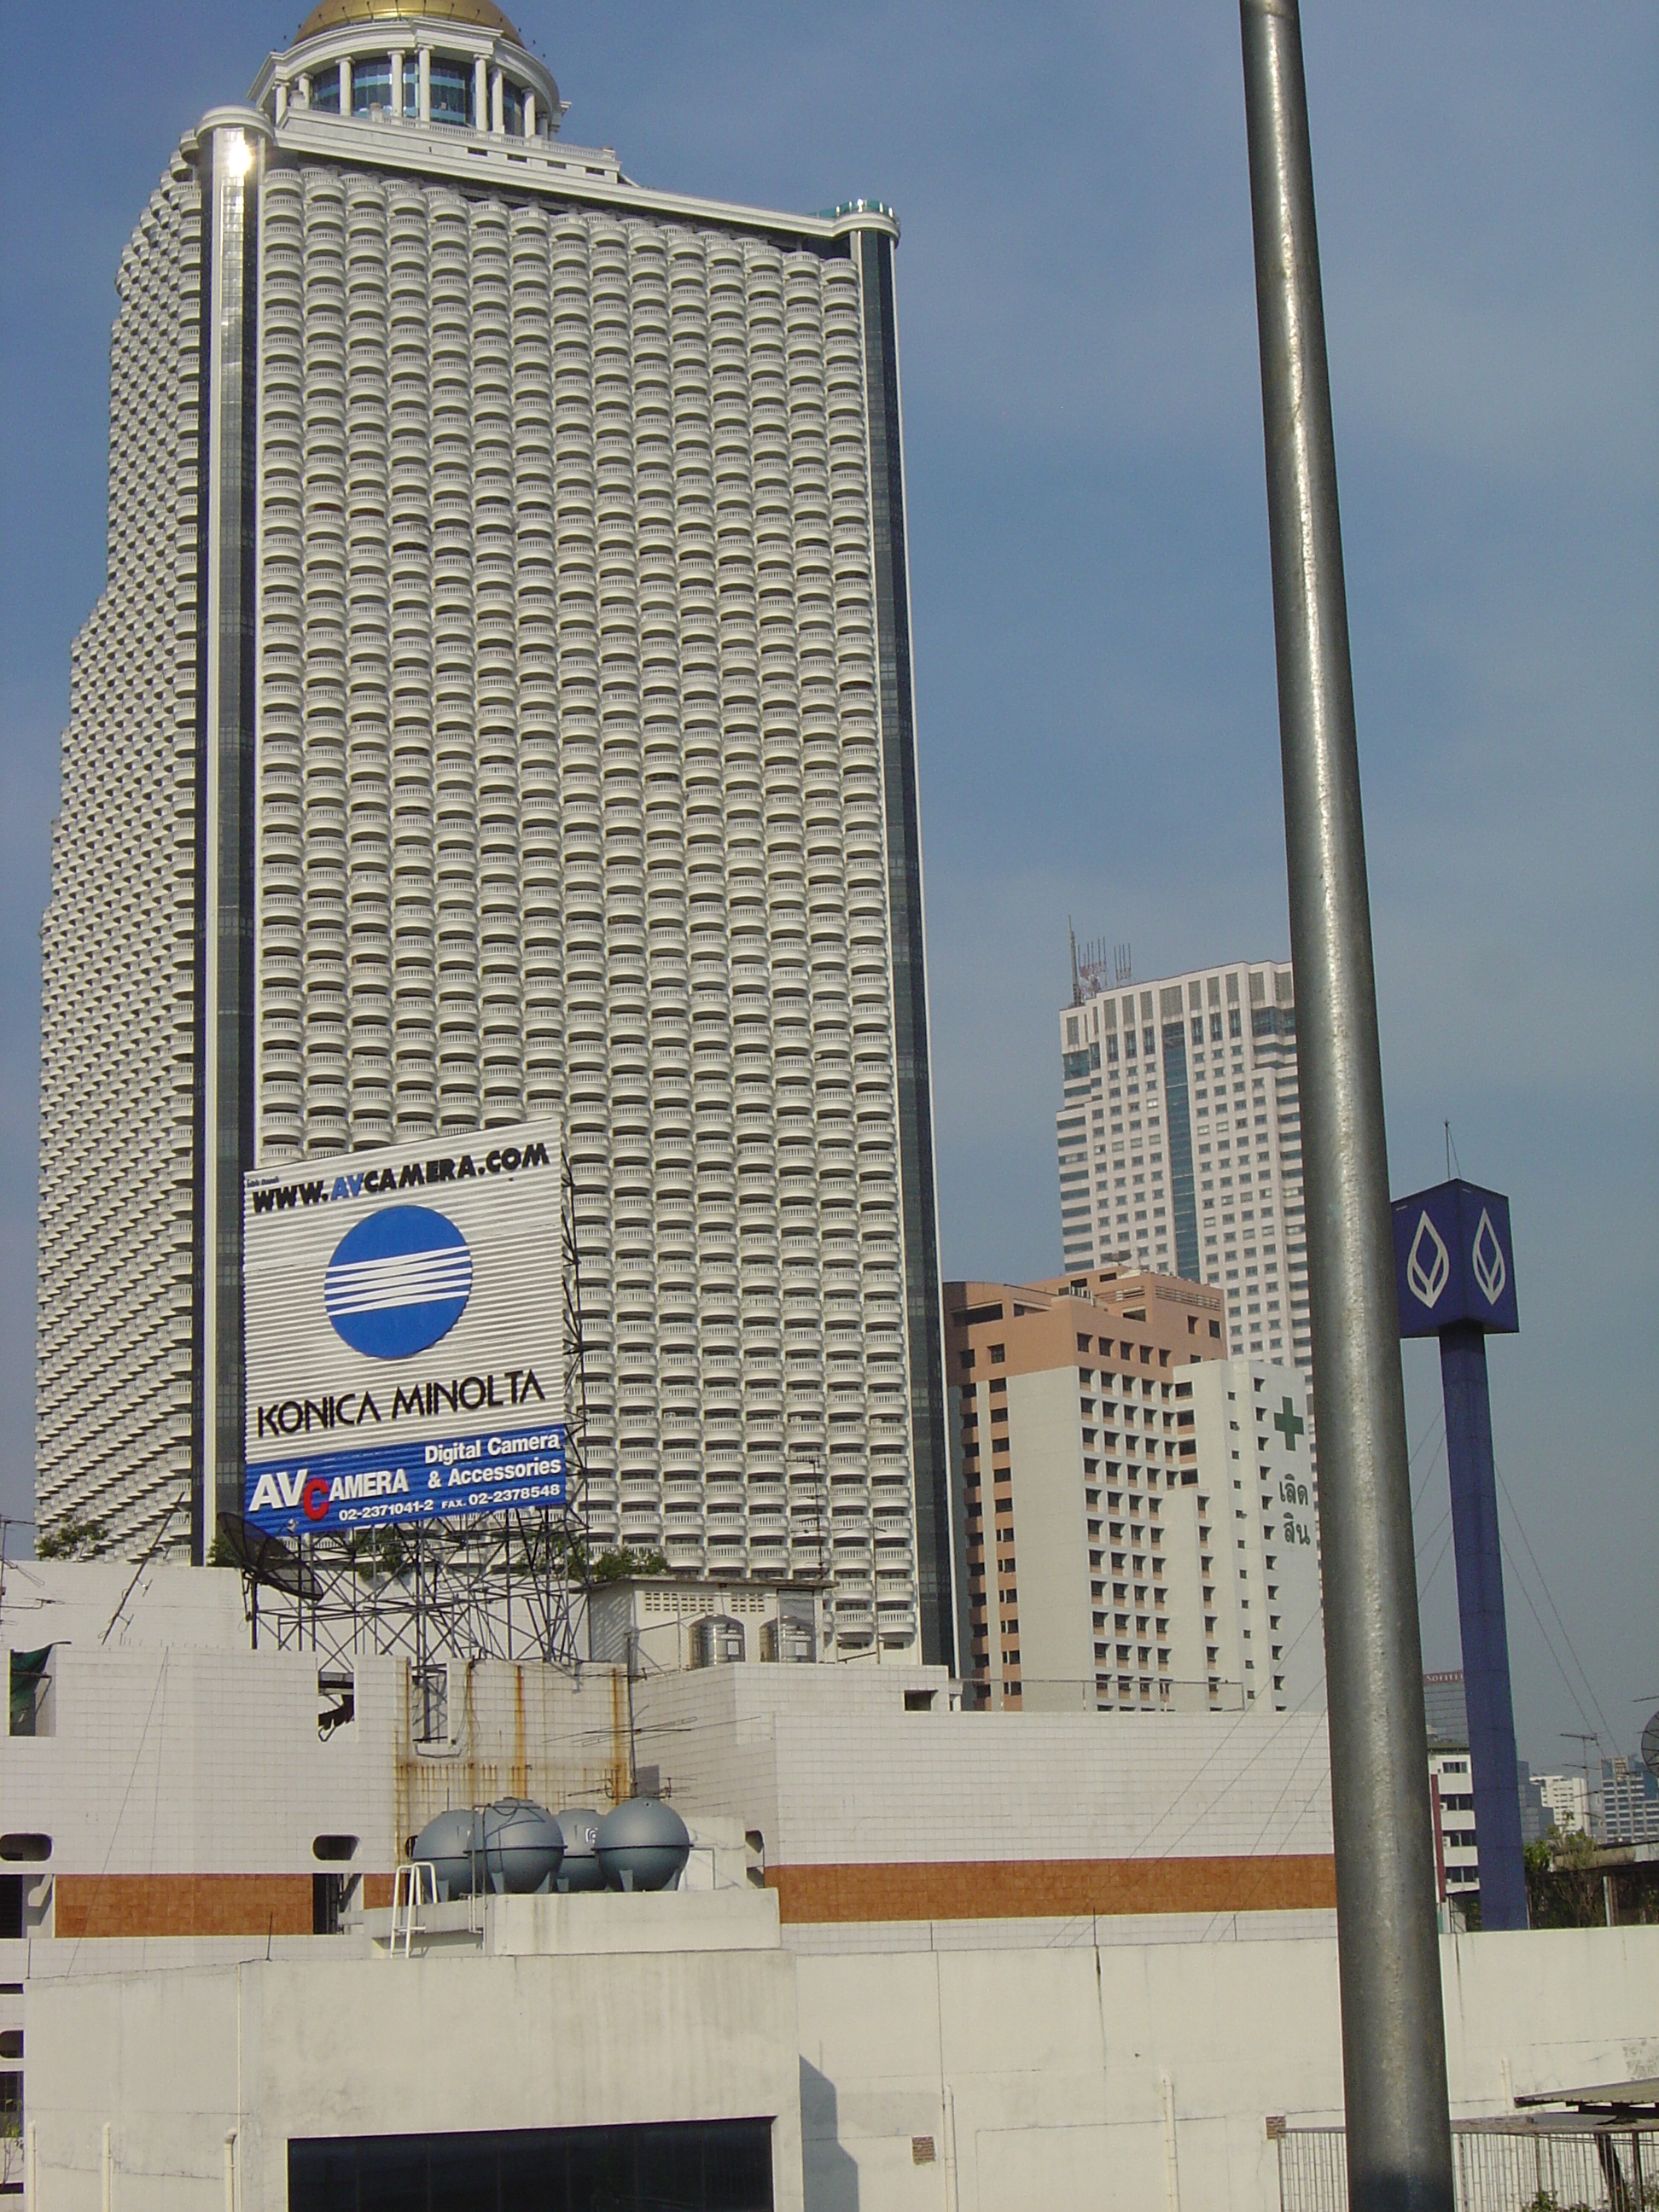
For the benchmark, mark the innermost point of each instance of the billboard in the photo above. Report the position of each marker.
(403, 1319)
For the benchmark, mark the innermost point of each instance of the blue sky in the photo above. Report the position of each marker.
(1093, 647)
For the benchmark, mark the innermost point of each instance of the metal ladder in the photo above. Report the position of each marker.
(413, 1885)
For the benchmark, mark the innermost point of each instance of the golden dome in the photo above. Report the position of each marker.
(483, 15)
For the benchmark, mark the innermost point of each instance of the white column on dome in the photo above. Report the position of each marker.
(304, 84)
(529, 113)
(480, 96)
(345, 87)
(497, 104)
(396, 104)
(423, 101)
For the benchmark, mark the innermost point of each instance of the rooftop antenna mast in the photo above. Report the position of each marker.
(1122, 964)
(1583, 1736)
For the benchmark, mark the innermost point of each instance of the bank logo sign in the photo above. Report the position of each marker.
(404, 1312)
(1428, 1270)
(1454, 1263)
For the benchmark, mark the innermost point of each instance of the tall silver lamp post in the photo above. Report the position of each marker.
(1393, 2054)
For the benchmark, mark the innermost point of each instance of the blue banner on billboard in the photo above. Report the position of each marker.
(1454, 1261)
(372, 1487)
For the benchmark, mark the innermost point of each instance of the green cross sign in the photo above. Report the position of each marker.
(1289, 1425)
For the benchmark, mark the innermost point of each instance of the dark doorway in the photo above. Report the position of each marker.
(705, 2166)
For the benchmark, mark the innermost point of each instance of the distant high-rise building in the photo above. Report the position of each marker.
(1630, 1802)
(1445, 1710)
(1451, 1791)
(1139, 1511)
(500, 704)
(1536, 1819)
(1571, 1806)
(1179, 1140)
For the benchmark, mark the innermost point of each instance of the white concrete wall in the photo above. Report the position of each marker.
(104, 1604)
(453, 2042)
(189, 1760)
(1039, 2073)
(182, 1758)
(857, 1779)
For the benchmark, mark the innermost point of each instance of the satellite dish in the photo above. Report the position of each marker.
(1650, 1747)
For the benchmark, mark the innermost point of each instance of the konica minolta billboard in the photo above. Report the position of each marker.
(404, 1312)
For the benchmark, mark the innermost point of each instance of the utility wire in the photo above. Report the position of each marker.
(167, 1522)
(1266, 1858)
(1440, 1445)
(1432, 1533)
(1520, 1527)
(1423, 1586)
(1578, 1702)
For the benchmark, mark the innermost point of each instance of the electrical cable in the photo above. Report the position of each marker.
(1520, 1527)
(1423, 1586)
(1520, 1583)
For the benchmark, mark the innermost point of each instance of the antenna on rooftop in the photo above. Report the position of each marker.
(1123, 963)
(1584, 1736)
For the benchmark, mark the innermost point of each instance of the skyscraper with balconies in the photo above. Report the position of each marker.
(1179, 1140)
(501, 704)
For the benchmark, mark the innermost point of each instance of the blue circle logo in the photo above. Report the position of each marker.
(398, 1282)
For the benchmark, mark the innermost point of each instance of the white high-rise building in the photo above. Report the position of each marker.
(1570, 1801)
(1139, 1511)
(1179, 1140)
(501, 703)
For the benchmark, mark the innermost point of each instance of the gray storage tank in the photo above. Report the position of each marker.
(451, 1844)
(510, 1847)
(523, 1845)
(643, 1845)
(580, 1868)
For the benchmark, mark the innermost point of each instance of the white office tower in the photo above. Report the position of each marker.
(500, 705)
(1179, 1140)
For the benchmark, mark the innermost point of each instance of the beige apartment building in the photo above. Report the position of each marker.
(1138, 1509)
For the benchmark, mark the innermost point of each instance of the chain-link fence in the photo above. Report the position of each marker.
(1498, 2166)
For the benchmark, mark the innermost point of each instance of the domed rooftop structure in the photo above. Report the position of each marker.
(483, 14)
(438, 64)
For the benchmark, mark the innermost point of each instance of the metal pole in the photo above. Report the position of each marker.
(1398, 2128)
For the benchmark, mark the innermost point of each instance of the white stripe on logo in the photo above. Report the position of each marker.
(409, 1279)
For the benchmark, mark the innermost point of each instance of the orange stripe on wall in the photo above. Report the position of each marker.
(182, 1904)
(970, 1889)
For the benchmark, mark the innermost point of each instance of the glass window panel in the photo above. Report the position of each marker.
(371, 84)
(452, 92)
(411, 84)
(325, 90)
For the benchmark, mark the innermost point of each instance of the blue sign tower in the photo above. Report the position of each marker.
(1455, 1273)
